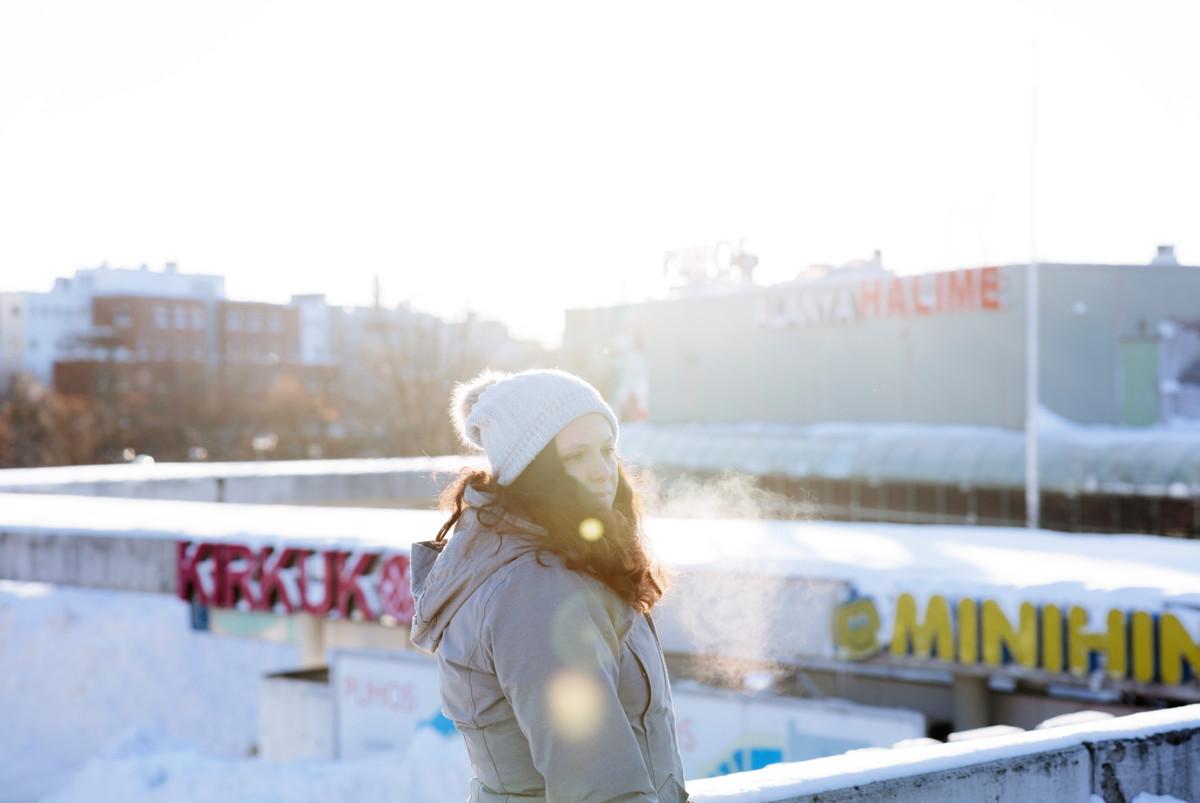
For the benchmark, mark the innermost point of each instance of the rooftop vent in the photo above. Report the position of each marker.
(1165, 256)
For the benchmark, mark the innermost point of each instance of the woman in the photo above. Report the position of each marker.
(538, 606)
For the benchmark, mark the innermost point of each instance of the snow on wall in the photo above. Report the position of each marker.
(862, 767)
(1096, 571)
(318, 527)
(15, 478)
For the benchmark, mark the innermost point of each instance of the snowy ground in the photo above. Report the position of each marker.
(109, 696)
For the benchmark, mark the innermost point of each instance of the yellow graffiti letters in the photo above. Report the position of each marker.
(999, 634)
(856, 629)
(1176, 646)
(935, 632)
(1082, 643)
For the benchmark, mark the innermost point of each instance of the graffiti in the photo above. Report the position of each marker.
(358, 585)
(1147, 647)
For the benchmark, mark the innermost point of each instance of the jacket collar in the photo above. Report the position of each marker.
(445, 574)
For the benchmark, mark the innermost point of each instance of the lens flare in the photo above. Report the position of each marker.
(591, 529)
(575, 706)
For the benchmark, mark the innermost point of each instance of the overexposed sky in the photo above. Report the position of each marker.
(518, 158)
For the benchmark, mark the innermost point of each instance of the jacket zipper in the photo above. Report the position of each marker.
(646, 710)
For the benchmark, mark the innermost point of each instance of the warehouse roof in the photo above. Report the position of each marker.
(1163, 461)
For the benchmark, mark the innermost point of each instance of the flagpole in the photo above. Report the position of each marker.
(1032, 493)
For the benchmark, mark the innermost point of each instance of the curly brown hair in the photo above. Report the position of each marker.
(548, 496)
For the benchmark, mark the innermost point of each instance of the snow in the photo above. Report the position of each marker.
(16, 478)
(434, 770)
(318, 527)
(84, 668)
(1089, 570)
(1074, 457)
(1095, 571)
(1074, 718)
(109, 697)
(1074, 454)
(859, 767)
(1146, 797)
(166, 714)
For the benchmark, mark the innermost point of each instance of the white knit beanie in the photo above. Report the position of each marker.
(512, 417)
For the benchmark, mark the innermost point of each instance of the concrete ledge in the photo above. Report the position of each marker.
(1060, 775)
(1163, 763)
(413, 481)
(1113, 761)
(122, 563)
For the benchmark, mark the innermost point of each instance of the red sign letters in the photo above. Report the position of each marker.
(337, 584)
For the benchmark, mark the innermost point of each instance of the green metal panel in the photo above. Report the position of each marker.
(1139, 382)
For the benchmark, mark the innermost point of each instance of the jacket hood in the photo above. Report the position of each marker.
(446, 574)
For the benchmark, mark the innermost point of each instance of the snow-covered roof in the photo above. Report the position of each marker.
(1073, 459)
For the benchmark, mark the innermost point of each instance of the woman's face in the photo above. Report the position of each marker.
(585, 447)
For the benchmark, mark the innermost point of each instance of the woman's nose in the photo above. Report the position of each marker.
(600, 470)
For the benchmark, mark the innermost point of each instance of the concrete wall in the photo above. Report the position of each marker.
(295, 716)
(404, 484)
(122, 563)
(1113, 761)
(1060, 776)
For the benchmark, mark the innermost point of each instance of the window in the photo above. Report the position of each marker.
(197, 318)
(233, 321)
(254, 322)
(160, 316)
(181, 317)
(122, 320)
(276, 321)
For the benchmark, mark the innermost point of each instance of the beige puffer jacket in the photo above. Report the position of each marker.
(557, 685)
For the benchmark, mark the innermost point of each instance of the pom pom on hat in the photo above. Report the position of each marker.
(512, 417)
(462, 402)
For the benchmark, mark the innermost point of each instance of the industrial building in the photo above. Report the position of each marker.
(924, 378)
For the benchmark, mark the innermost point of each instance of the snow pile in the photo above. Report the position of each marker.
(85, 672)
(435, 769)
(1143, 797)
(109, 697)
